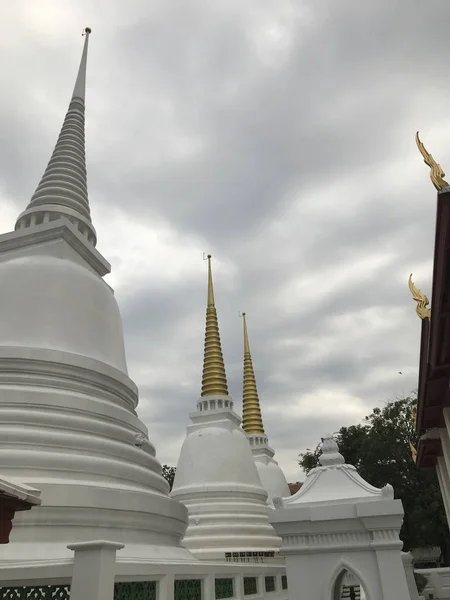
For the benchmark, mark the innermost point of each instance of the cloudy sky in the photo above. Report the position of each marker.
(277, 136)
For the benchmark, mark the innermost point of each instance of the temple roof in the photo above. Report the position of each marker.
(335, 482)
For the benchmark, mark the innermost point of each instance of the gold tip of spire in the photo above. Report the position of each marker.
(214, 380)
(421, 299)
(210, 283)
(436, 174)
(251, 411)
(87, 30)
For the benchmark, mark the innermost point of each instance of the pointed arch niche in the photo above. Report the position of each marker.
(347, 584)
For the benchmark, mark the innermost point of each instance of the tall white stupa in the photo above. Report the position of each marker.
(216, 476)
(68, 423)
(270, 473)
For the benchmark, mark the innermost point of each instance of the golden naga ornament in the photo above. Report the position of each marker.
(411, 445)
(436, 174)
(421, 299)
(413, 452)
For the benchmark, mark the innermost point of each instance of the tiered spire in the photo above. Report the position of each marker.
(62, 191)
(251, 411)
(214, 380)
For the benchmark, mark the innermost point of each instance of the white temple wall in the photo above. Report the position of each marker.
(305, 573)
(95, 568)
(438, 585)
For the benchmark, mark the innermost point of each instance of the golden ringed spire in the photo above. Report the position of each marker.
(214, 379)
(251, 411)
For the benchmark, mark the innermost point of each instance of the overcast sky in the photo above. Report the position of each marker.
(277, 136)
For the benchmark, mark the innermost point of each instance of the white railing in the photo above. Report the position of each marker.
(438, 585)
(94, 572)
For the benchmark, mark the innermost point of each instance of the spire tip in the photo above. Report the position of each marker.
(87, 30)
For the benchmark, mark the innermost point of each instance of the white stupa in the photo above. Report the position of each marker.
(216, 476)
(68, 423)
(270, 473)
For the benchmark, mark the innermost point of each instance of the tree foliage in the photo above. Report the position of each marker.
(379, 449)
(169, 474)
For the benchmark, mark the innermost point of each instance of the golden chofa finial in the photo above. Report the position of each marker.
(214, 380)
(421, 299)
(251, 411)
(413, 451)
(411, 445)
(436, 174)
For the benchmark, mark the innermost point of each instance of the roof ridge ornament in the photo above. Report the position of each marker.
(330, 452)
(421, 299)
(436, 174)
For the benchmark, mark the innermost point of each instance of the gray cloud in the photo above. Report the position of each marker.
(280, 138)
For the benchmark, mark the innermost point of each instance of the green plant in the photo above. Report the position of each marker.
(421, 581)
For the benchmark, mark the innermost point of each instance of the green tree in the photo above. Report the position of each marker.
(379, 449)
(169, 474)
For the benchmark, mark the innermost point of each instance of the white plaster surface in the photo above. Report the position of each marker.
(68, 422)
(218, 481)
(54, 303)
(271, 476)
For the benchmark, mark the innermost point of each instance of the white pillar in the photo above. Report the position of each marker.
(444, 484)
(166, 587)
(407, 559)
(209, 586)
(94, 569)
(390, 565)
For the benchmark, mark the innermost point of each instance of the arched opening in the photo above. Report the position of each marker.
(348, 587)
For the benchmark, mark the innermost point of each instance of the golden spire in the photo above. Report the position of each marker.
(421, 299)
(251, 411)
(214, 380)
(437, 174)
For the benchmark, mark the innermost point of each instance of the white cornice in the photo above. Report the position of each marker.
(60, 229)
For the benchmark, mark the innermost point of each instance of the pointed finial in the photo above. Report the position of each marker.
(330, 452)
(251, 410)
(79, 91)
(210, 283)
(62, 191)
(214, 380)
(437, 174)
(421, 299)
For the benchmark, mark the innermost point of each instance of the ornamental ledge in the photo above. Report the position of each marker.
(378, 539)
(61, 228)
(17, 369)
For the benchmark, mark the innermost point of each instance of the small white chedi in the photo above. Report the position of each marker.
(270, 473)
(216, 475)
(68, 423)
(337, 525)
